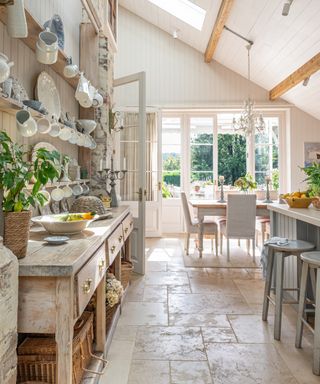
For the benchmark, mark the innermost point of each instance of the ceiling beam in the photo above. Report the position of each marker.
(221, 20)
(296, 77)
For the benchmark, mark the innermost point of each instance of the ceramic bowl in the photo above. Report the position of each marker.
(87, 125)
(43, 125)
(54, 225)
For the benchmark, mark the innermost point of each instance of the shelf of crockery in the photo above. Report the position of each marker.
(62, 183)
(34, 28)
(12, 106)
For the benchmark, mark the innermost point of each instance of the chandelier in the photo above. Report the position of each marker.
(249, 122)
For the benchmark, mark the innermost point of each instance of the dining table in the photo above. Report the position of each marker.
(216, 208)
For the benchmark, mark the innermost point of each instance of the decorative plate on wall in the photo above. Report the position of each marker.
(18, 91)
(49, 147)
(47, 93)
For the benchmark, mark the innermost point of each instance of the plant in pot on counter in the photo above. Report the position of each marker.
(313, 180)
(245, 183)
(15, 200)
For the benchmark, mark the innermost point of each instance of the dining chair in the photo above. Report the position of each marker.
(210, 227)
(241, 221)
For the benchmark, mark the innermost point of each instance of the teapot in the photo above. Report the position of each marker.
(4, 67)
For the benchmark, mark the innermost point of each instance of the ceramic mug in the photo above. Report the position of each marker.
(26, 124)
(16, 20)
(97, 100)
(47, 196)
(70, 70)
(74, 136)
(65, 133)
(48, 41)
(4, 67)
(57, 194)
(85, 189)
(44, 125)
(77, 190)
(83, 94)
(55, 129)
(46, 57)
(80, 139)
(67, 191)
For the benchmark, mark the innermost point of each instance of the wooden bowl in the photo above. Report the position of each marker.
(299, 202)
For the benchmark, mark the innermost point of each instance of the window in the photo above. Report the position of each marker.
(171, 157)
(196, 149)
(267, 151)
(232, 153)
(201, 154)
(184, 10)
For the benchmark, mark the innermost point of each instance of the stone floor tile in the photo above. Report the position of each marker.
(251, 290)
(169, 343)
(149, 372)
(229, 273)
(167, 278)
(125, 332)
(218, 335)
(155, 294)
(247, 364)
(179, 288)
(190, 372)
(156, 266)
(142, 313)
(213, 284)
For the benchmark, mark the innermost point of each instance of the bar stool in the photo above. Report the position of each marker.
(292, 248)
(310, 262)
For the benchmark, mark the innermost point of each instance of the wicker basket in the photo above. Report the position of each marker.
(37, 356)
(88, 204)
(126, 272)
(16, 232)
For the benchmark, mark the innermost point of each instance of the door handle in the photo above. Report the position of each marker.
(159, 185)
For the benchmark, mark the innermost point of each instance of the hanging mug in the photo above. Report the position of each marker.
(55, 128)
(97, 100)
(16, 20)
(26, 124)
(43, 125)
(5, 66)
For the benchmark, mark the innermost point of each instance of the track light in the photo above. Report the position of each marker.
(286, 7)
(175, 33)
(306, 81)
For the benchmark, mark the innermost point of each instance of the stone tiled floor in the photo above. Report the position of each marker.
(202, 326)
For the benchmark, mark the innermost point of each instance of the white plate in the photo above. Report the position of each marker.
(47, 93)
(49, 147)
(56, 240)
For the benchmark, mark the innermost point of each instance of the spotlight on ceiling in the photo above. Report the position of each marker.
(306, 81)
(175, 33)
(286, 7)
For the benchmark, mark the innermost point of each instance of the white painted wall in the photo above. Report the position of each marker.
(178, 77)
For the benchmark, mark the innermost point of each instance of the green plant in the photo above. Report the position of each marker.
(275, 179)
(313, 178)
(16, 173)
(165, 191)
(245, 183)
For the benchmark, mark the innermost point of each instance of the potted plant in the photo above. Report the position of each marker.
(245, 183)
(15, 199)
(313, 180)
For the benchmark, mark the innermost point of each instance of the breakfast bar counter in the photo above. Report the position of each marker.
(294, 224)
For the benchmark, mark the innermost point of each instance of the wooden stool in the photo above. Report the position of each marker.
(310, 262)
(293, 248)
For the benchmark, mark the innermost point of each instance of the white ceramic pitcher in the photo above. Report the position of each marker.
(16, 22)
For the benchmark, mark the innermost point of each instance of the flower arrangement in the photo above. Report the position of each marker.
(245, 183)
(114, 290)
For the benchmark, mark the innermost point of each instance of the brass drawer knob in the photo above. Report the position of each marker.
(120, 238)
(86, 287)
(126, 230)
(113, 248)
(101, 265)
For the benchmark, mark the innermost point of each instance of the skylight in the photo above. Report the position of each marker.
(184, 10)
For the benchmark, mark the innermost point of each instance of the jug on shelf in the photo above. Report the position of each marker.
(5, 66)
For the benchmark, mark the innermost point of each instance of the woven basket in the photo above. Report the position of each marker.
(88, 204)
(126, 272)
(37, 356)
(110, 311)
(16, 232)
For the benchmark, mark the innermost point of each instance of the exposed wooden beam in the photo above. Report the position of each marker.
(221, 20)
(306, 70)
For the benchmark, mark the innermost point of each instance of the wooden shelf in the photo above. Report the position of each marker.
(62, 183)
(34, 28)
(12, 106)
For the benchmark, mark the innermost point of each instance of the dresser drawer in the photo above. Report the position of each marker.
(89, 277)
(114, 244)
(127, 225)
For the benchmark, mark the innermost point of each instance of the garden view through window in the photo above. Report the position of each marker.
(196, 150)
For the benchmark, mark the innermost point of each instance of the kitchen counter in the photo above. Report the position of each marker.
(308, 215)
(66, 259)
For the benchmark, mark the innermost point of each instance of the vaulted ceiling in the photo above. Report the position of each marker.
(282, 44)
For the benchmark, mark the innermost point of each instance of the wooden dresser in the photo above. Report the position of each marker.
(57, 282)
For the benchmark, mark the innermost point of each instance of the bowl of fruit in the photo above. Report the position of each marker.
(65, 223)
(298, 199)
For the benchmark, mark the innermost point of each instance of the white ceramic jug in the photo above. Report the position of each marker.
(4, 67)
(16, 22)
